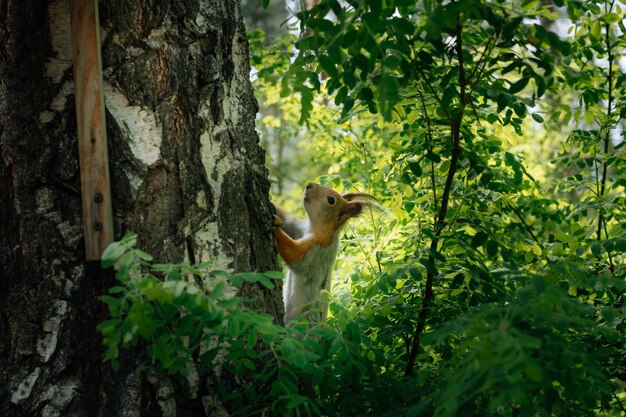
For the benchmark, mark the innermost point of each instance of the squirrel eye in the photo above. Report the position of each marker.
(331, 200)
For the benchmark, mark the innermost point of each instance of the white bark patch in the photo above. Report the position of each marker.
(60, 100)
(139, 126)
(48, 343)
(157, 38)
(58, 65)
(46, 117)
(216, 164)
(25, 387)
(200, 22)
(193, 379)
(45, 200)
(165, 395)
(77, 273)
(237, 87)
(130, 401)
(165, 398)
(57, 279)
(71, 233)
(50, 411)
(58, 398)
(134, 180)
(61, 39)
(201, 200)
(207, 238)
(46, 205)
(213, 406)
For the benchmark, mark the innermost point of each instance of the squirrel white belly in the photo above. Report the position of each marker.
(309, 247)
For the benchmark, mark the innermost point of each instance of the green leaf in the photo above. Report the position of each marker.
(561, 236)
(596, 248)
(218, 290)
(116, 290)
(306, 103)
(349, 79)
(596, 29)
(389, 87)
(263, 280)
(415, 168)
(611, 18)
(392, 62)
(275, 274)
(533, 370)
(479, 239)
(348, 103)
(143, 255)
(109, 328)
(366, 94)
(537, 117)
(111, 301)
(430, 266)
(328, 66)
(415, 274)
(112, 253)
(536, 249)
(520, 109)
(336, 8)
(519, 85)
(323, 25)
(492, 248)
(433, 157)
(248, 364)
(620, 245)
(608, 314)
(234, 327)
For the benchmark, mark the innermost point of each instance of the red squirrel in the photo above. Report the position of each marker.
(309, 247)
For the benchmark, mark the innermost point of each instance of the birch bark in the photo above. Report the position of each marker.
(187, 175)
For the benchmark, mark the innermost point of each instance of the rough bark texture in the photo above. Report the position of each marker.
(187, 176)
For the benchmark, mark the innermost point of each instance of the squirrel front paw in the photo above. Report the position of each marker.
(277, 221)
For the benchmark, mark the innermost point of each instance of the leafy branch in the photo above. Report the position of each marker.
(607, 136)
(455, 136)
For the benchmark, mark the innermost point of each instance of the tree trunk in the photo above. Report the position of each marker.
(187, 175)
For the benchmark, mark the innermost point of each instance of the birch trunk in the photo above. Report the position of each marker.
(187, 175)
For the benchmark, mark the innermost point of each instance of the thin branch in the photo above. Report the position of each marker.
(455, 134)
(519, 216)
(475, 112)
(430, 141)
(607, 139)
(434, 93)
(490, 46)
(608, 252)
(621, 405)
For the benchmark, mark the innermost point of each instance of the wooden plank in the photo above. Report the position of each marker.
(92, 142)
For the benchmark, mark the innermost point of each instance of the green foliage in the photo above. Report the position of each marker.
(178, 310)
(542, 348)
(492, 284)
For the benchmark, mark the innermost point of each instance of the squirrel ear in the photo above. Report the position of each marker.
(352, 209)
(363, 198)
(355, 202)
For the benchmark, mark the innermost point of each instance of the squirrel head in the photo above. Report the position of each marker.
(328, 210)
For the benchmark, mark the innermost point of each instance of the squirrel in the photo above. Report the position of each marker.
(309, 247)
